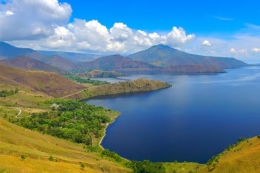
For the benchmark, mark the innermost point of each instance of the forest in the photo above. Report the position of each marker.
(69, 119)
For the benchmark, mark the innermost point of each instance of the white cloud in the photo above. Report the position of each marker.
(206, 43)
(242, 51)
(224, 18)
(31, 19)
(9, 13)
(256, 49)
(177, 37)
(233, 50)
(92, 36)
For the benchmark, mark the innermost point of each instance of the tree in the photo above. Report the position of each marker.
(23, 157)
(51, 158)
(82, 166)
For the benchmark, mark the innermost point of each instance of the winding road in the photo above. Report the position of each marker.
(72, 94)
(20, 111)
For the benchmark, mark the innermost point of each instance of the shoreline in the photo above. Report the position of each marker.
(99, 143)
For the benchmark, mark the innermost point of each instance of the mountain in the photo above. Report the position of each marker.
(60, 62)
(117, 63)
(49, 83)
(162, 55)
(101, 74)
(190, 69)
(8, 51)
(124, 64)
(30, 64)
(75, 57)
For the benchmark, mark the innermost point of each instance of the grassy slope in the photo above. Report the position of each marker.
(37, 148)
(15, 141)
(243, 158)
(46, 82)
(138, 85)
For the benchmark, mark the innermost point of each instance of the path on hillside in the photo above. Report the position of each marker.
(73, 94)
(20, 111)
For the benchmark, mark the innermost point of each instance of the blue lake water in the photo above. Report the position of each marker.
(198, 117)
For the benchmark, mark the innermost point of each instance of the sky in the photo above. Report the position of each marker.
(205, 27)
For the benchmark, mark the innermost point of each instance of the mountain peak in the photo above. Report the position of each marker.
(162, 46)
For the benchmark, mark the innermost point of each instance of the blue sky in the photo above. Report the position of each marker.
(201, 16)
(217, 28)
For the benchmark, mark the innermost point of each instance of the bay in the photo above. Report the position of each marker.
(198, 117)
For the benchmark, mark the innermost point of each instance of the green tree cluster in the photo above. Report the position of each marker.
(84, 80)
(111, 154)
(147, 167)
(5, 93)
(72, 120)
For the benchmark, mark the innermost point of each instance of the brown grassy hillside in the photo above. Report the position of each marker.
(47, 82)
(30, 64)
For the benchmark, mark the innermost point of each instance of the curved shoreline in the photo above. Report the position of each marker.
(107, 124)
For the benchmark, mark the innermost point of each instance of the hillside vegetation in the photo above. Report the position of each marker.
(44, 153)
(138, 85)
(101, 74)
(49, 83)
(242, 157)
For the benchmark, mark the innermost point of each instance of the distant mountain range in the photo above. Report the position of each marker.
(75, 57)
(127, 65)
(156, 59)
(162, 55)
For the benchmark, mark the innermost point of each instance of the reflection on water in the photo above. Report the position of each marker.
(196, 118)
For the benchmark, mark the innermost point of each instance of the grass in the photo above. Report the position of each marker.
(185, 167)
(16, 141)
(245, 157)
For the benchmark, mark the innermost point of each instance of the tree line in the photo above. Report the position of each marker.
(5, 93)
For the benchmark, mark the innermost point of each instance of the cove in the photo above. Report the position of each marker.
(198, 117)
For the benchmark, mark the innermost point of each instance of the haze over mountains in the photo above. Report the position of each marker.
(157, 59)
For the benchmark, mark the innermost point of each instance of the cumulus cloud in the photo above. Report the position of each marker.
(256, 49)
(44, 25)
(232, 50)
(92, 36)
(206, 43)
(27, 19)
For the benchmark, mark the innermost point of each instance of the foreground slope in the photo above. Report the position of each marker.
(37, 148)
(239, 158)
(162, 55)
(49, 83)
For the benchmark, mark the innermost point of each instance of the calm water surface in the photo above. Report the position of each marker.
(198, 117)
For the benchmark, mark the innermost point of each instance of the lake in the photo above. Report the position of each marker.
(198, 117)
